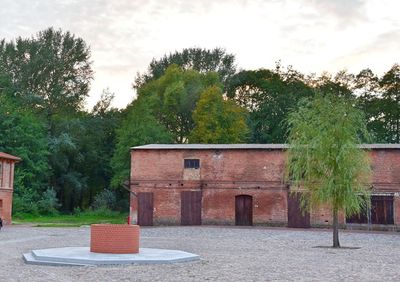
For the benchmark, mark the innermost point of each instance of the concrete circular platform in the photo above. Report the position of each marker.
(83, 256)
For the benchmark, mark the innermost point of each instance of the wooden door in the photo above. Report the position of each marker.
(382, 210)
(296, 218)
(244, 210)
(191, 208)
(145, 208)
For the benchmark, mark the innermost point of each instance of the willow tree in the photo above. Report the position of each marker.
(325, 160)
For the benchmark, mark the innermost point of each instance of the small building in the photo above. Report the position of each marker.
(244, 184)
(6, 185)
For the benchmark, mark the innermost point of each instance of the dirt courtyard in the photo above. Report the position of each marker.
(227, 254)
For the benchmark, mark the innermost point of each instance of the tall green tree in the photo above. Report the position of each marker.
(98, 145)
(201, 60)
(81, 150)
(268, 95)
(174, 96)
(51, 71)
(24, 135)
(50, 74)
(218, 120)
(138, 127)
(379, 97)
(341, 84)
(390, 103)
(325, 160)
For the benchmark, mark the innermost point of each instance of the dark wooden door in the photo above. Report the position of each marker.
(145, 208)
(382, 210)
(191, 207)
(244, 210)
(296, 218)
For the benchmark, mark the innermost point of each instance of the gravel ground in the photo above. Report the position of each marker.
(228, 254)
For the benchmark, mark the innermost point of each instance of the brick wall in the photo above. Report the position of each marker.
(6, 205)
(6, 190)
(224, 174)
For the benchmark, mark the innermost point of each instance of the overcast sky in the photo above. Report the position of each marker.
(124, 35)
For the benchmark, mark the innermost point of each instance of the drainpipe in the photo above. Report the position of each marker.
(132, 219)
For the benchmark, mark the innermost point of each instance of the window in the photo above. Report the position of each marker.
(192, 163)
(1, 203)
(1, 173)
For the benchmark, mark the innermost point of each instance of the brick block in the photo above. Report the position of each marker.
(114, 238)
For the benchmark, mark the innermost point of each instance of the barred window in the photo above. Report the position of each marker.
(192, 163)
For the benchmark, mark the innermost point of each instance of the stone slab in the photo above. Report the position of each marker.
(29, 258)
(83, 256)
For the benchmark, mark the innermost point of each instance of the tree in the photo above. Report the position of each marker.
(139, 127)
(201, 60)
(98, 145)
(366, 84)
(268, 95)
(341, 84)
(380, 99)
(174, 96)
(390, 103)
(24, 135)
(218, 121)
(81, 150)
(50, 72)
(325, 160)
(50, 76)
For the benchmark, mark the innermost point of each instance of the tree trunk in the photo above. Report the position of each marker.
(335, 226)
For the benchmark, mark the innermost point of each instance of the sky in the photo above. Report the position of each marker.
(125, 35)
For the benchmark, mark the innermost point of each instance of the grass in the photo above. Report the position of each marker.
(72, 220)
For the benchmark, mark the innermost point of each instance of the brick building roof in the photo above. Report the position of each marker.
(241, 146)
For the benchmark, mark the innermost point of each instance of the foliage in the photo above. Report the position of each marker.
(98, 145)
(137, 128)
(173, 98)
(81, 149)
(105, 200)
(51, 72)
(340, 84)
(49, 203)
(324, 157)
(217, 120)
(390, 104)
(25, 202)
(24, 135)
(201, 60)
(379, 98)
(49, 77)
(268, 96)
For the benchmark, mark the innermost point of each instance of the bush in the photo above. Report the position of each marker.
(106, 200)
(49, 204)
(29, 202)
(77, 211)
(25, 202)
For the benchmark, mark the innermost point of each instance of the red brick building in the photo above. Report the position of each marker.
(243, 184)
(6, 185)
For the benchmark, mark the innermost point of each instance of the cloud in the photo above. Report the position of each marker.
(381, 52)
(345, 12)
